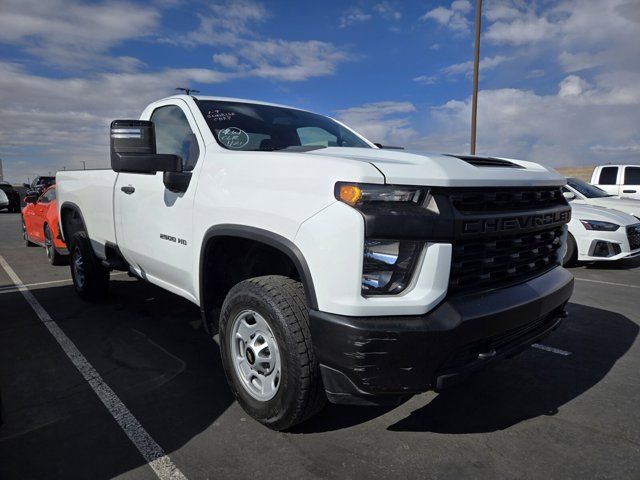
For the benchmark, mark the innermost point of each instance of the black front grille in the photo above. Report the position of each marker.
(477, 200)
(633, 234)
(493, 261)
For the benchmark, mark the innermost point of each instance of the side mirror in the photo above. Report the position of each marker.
(133, 149)
(31, 198)
(569, 195)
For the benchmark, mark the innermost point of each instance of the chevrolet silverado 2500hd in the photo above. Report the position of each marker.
(331, 268)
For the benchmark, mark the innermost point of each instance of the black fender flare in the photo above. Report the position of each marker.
(274, 240)
(76, 209)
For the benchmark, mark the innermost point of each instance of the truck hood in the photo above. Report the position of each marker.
(416, 168)
(592, 212)
(626, 205)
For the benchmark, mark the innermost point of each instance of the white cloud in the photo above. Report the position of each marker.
(388, 10)
(353, 15)
(385, 122)
(466, 68)
(290, 61)
(56, 122)
(454, 17)
(583, 123)
(426, 79)
(230, 27)
(69, 33)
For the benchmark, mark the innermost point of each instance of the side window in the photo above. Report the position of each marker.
(608, 175)
(632, 176)
(316, 136)
(174, 135)
(49, 196)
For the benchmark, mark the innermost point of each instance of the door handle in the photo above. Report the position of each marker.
(128, 189)
(628, 191)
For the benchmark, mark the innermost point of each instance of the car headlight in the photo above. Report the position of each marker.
(388, 265)
(600, 226)
(362, 194)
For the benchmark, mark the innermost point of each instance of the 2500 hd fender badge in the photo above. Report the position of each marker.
(521, 222)
(173, 239)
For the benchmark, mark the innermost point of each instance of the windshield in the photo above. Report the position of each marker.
(586, 189)
(249, 126)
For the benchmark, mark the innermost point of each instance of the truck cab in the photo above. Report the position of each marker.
(332, 269)
(618, 180)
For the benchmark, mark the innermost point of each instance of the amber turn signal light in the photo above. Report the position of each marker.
(350, 194)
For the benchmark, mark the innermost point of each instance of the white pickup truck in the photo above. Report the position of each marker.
(618, 180)
(331, 267)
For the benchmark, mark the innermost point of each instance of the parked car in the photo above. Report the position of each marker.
(330, 267)
(13, 197)
(601, 234)
(40, 225)
(40, 184)
(581, 192)
(622, 180)
(4, 200)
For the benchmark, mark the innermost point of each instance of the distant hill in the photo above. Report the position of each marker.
(583, 173)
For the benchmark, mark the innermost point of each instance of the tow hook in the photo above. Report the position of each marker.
(485, 355)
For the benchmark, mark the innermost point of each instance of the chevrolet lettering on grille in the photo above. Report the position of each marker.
(519, 222)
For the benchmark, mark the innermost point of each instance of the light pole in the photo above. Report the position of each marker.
(84, 164)
(476, 62)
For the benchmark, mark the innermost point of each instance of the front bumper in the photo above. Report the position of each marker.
(378, 360)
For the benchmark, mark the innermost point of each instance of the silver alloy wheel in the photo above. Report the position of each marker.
(78, 267)
(24, 231)
(255, 355)
(48, 246)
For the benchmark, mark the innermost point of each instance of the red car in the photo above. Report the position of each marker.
(40, 225)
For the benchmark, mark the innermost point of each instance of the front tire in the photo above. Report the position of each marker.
(52, 254)
(25, 236)
(267, 352)
(90, 278)
(571, 255)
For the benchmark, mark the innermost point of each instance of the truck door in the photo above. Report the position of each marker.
(608, 180)
(631, 182)
(154, 226)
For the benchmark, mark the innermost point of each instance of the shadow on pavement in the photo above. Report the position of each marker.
(534, 383)
(624, 264)
(149, 347)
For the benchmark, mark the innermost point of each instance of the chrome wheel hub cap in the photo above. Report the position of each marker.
(255, 355)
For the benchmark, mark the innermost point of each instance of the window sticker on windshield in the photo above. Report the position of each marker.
(220, 115)
(233, 137)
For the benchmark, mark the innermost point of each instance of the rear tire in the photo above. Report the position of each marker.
(275, 314)
(571, 255)
(90, 278)
(53, 256)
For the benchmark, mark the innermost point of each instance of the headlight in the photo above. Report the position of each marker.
(600, 226)
(388, 266)
(359, 194)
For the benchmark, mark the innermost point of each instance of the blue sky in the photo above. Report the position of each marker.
(560, 80)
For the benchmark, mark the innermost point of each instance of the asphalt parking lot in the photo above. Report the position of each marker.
(567, 411)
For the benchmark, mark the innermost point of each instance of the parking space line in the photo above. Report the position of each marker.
(13, 288)
(564, 353)
(607, 283)
(156, 458)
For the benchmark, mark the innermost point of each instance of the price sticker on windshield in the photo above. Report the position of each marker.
(233, 137)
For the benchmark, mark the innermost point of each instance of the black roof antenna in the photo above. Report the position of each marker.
(188, 91)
